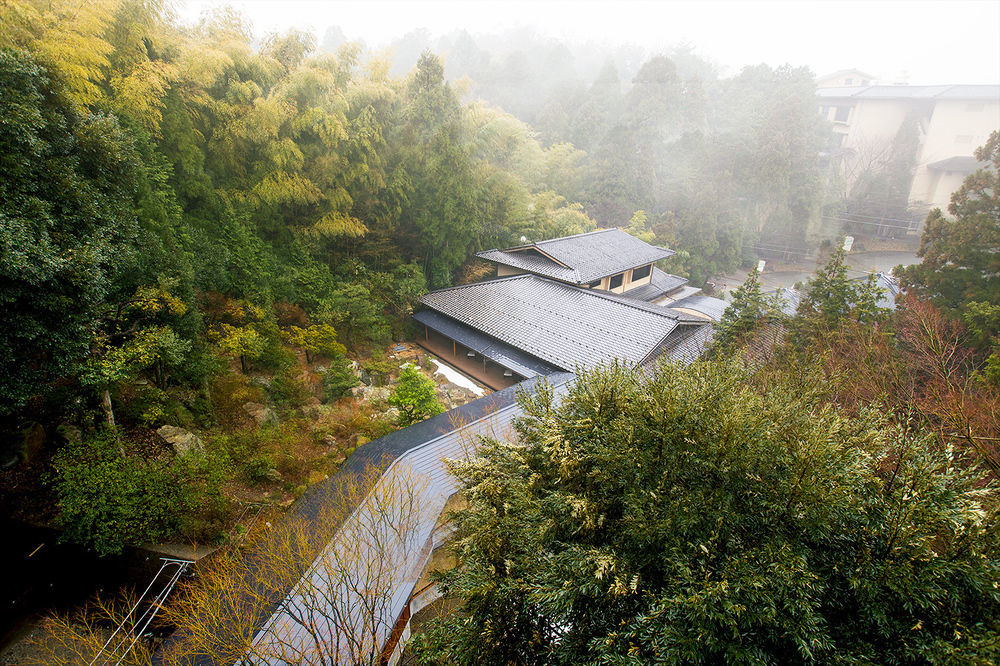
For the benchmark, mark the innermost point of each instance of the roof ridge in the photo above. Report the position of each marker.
(617, 298)
(583, 233)
(473, 284)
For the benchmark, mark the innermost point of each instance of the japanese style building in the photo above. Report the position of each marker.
(563, 304)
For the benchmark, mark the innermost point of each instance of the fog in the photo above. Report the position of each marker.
(917, 42)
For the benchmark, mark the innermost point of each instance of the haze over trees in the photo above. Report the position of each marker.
(211, 232)
(725, 167)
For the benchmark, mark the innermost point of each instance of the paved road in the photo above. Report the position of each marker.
(859, 264)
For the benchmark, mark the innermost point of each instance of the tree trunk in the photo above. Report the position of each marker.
(243, 364)
(109, 412)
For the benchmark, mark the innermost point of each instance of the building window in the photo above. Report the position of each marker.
(848, 81)
(640, 273)
(843, 113)
(595, 284)
(616, 281)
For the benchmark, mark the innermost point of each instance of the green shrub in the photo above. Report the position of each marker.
(379, 368)
(108, 501)
(288, 390)
(415, 396)
(338, 380)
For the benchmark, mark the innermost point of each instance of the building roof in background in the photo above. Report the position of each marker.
(842, 72)
(581, 258)
(788, 300)
(963, 92)
(888, 290)
(661, 283)
(562, 325)
(709, 306)
(958, 163)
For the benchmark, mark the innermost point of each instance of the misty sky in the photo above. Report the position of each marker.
(934, 42)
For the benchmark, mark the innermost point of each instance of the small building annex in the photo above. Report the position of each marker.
(562, 304)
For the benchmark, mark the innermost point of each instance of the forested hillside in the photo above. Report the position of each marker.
(725, 167)
(183, 209)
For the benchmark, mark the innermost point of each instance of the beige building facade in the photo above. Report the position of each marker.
(953, 120)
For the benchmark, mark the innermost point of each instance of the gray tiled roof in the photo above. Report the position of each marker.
(887, 289)
(563, 325)
(683, 347)
(343, 590)
(500, 352)
(660, 284)
(707, 305)
(581, 258)
(788, 300)
(961, 92)
(959, 163)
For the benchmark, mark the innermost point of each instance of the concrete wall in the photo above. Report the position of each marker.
(950, 128)
(956, 128)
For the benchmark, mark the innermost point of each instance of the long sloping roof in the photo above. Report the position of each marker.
(419, 452)
(500, 352)
(959, 92)
(581, 258)
(707, 305)
(563, 325)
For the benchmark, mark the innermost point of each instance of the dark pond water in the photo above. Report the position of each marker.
(40, 576)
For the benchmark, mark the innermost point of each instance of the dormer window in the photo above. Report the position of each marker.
(641, 272)
(596, 284)
(616, 281)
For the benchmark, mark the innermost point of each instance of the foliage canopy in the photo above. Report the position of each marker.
(692, 517)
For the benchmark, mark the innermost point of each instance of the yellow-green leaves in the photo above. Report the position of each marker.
(68, 35)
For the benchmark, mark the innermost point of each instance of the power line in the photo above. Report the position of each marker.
(879, 217)
(873, 224)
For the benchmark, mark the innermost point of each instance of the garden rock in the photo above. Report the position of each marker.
(182, 441)
(261, 414)
(32, 441)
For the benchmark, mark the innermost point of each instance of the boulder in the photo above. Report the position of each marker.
(69, 433)
(32, 441)
(182, 441)
(374, 393)
(361, 373)
(262, 414)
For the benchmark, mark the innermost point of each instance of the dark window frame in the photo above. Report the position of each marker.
(648, 270)
(620, 278)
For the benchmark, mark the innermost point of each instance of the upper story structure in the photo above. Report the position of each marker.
(606, 260)
(845, 78)
(563, 304)
(953, 120)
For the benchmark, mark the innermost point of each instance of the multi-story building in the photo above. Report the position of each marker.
(952, 121)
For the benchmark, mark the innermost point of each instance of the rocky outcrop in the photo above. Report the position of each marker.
(371, 393)
(261, 414)
(180, 440)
